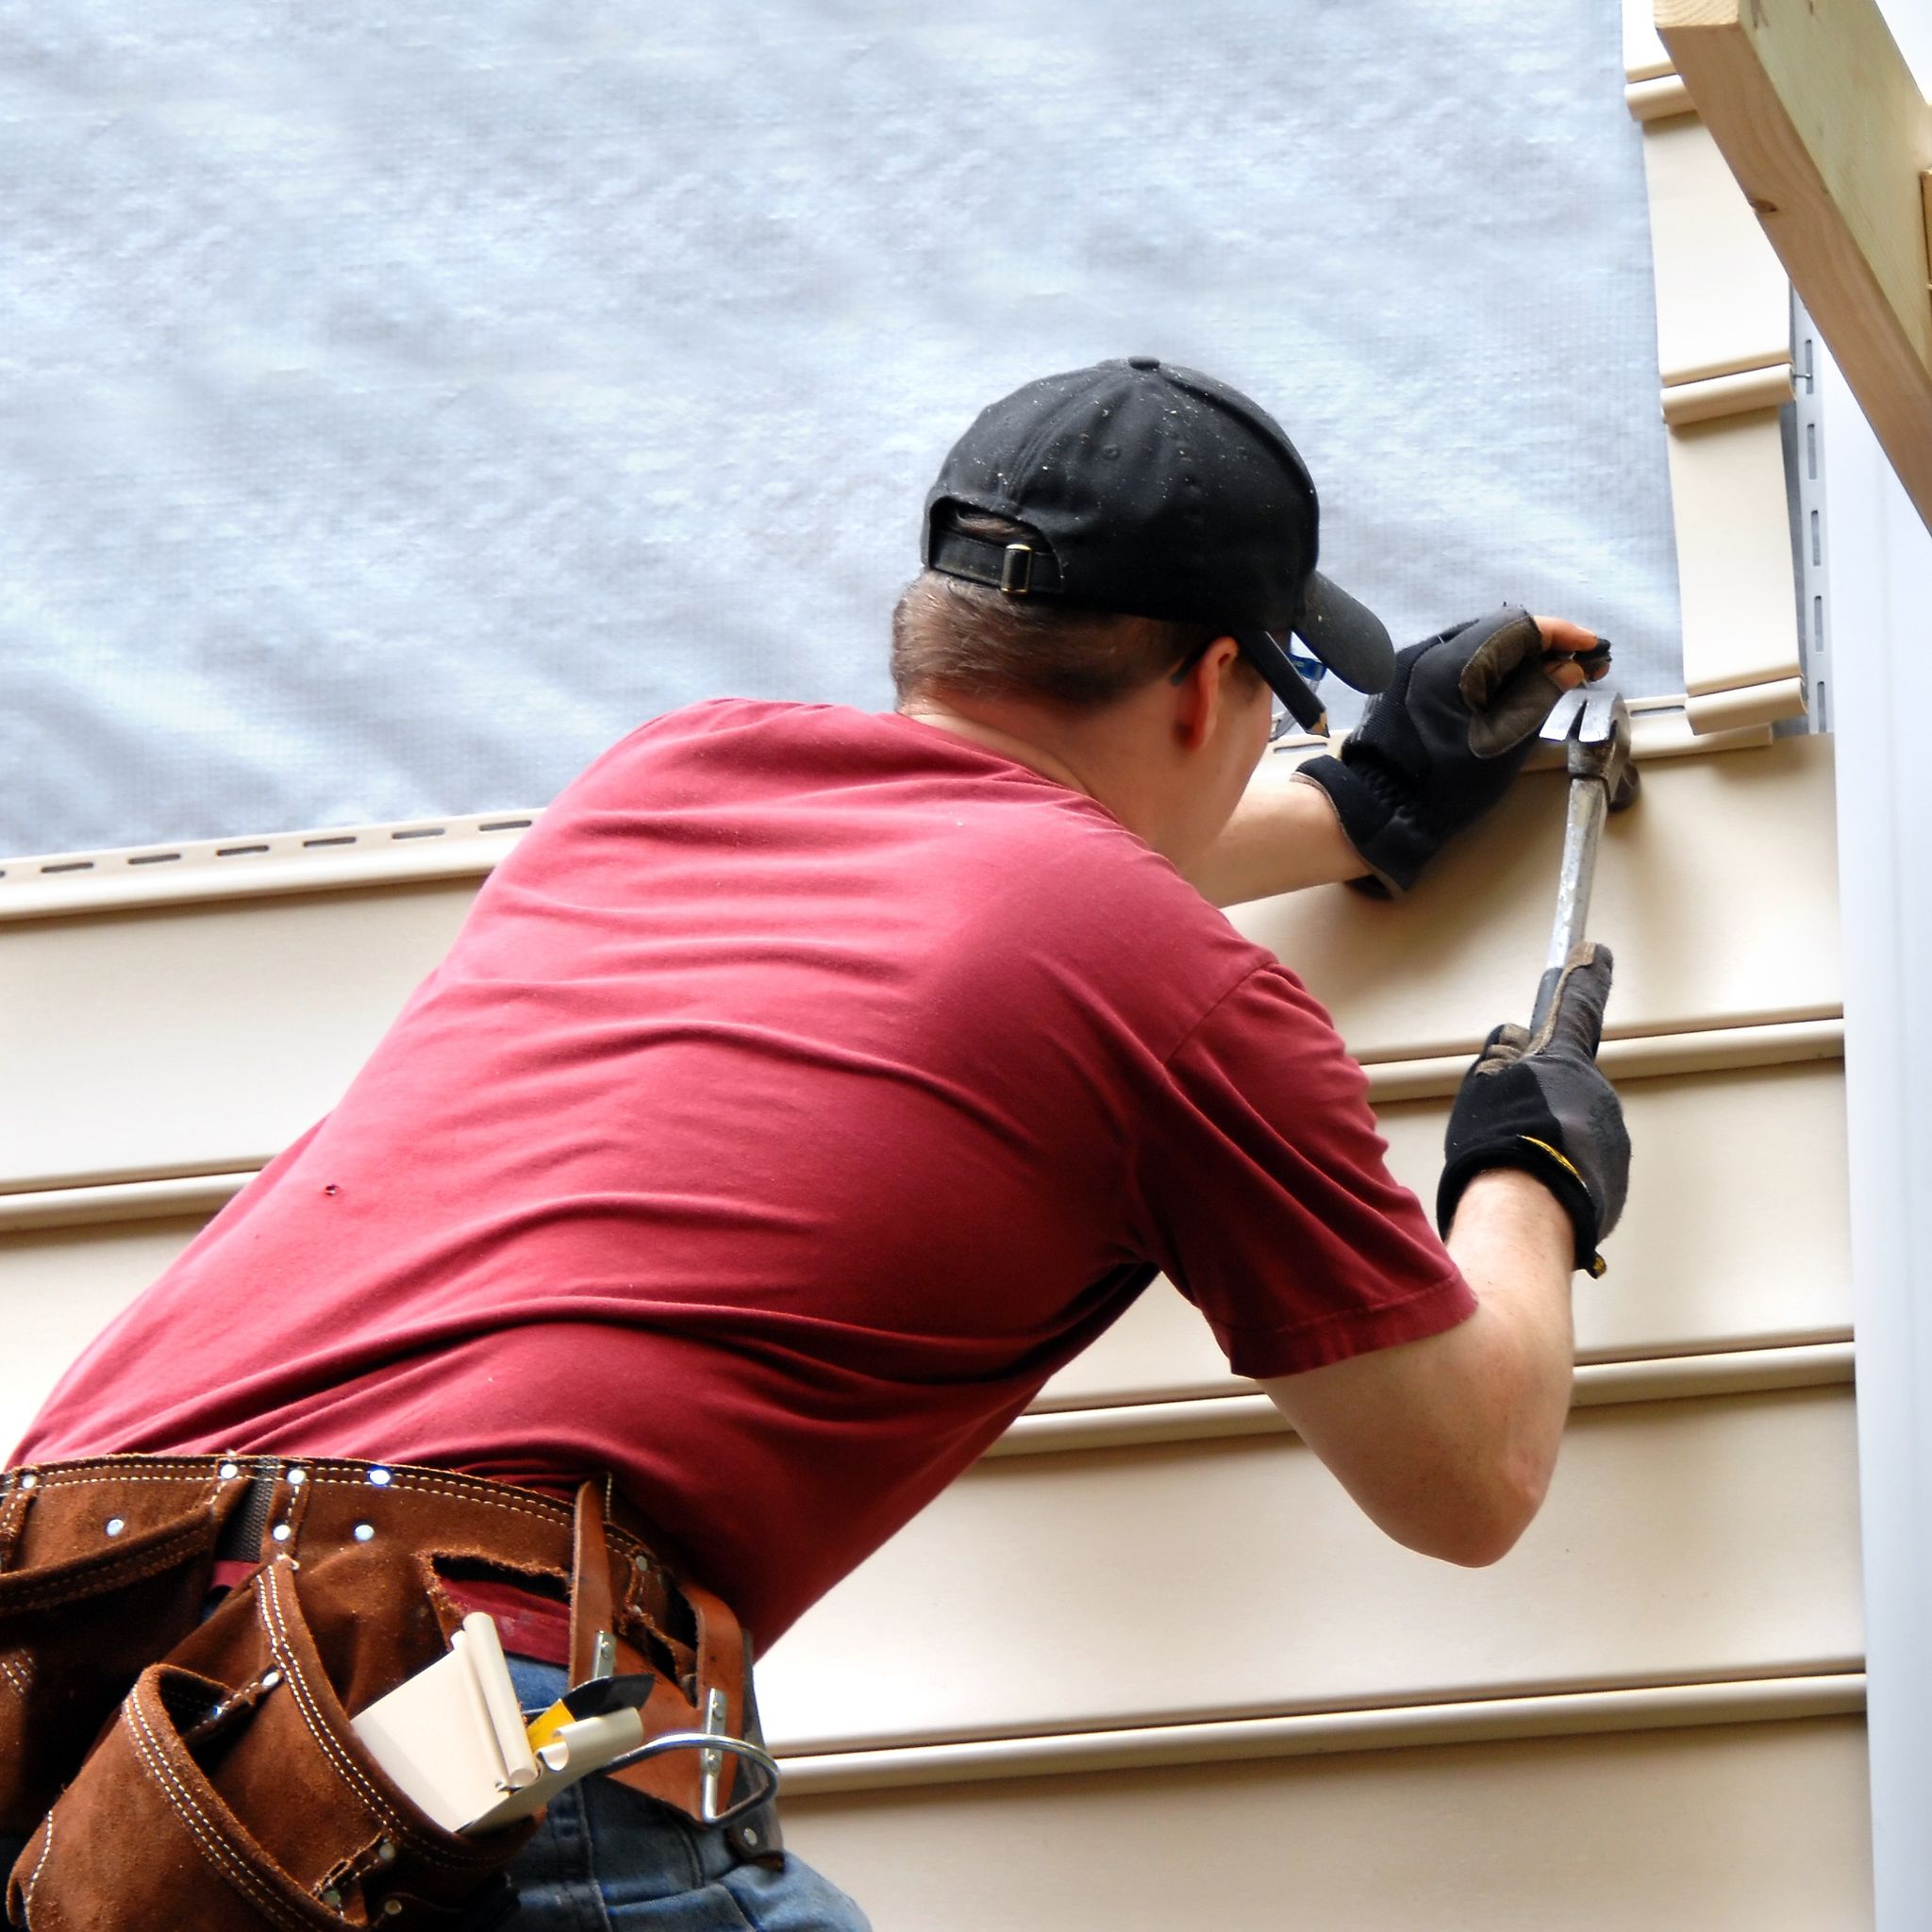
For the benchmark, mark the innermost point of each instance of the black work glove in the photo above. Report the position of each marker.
(1540, 1103)
(1438, 747)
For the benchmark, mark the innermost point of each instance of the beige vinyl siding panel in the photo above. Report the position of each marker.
(1767, 1144)
(1207, 1577)
(1716, 892)
(1644, 54)
(1765, 1141)
(1734, 553)
(59, 1289)
(1723, 301)
(1723, 358)
(1734, 1828)
(1682, 1541)
(196, 1038)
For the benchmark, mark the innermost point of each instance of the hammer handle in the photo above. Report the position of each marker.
(1582, 827)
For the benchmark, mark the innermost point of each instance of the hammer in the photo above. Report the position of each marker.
(1595, 725)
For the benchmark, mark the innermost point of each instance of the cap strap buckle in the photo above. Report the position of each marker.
(1016, 570)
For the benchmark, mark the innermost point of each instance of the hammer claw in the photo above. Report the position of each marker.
(1563, 716)
(1599, 715)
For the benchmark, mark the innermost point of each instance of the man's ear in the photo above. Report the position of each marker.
(1202, 692)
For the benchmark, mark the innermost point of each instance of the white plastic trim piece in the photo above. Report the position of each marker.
(1502, 1719)
(1713, 396)
(1657, 97)
(264, 865)
(1595, 1385)
(1748, 703)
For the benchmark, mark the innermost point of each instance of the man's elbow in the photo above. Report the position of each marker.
(1478, 1524)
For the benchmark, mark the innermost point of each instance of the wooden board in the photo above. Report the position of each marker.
(1822, 122)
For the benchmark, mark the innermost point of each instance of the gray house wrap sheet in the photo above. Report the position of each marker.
(399, 404)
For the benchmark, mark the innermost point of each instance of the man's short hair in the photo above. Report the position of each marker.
(951, 637)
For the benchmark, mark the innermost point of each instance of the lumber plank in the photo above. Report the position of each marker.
(1821, 121)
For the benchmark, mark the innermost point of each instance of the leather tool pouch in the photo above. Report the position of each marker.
(231, 1792)
(89, 1593)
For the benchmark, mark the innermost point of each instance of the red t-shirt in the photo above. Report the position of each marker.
(804, 1089)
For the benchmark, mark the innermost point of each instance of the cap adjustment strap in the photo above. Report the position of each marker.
(1020, 570)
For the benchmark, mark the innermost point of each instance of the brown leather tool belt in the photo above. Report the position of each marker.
(148, 1742)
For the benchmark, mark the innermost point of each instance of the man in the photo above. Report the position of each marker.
(805, 1090)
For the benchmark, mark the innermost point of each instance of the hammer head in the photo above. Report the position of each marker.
(1595, 725)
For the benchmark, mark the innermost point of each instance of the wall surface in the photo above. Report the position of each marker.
(401, 404)
(1145, 1663)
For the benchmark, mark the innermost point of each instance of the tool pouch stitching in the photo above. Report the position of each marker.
(235, 1785)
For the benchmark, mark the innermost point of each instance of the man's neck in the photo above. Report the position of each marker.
(1021, 750)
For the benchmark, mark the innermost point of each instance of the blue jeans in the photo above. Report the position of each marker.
(607, 1859)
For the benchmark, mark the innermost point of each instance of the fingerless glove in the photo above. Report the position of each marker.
(1436, 750)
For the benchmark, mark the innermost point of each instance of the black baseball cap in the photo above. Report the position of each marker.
(1155, 491)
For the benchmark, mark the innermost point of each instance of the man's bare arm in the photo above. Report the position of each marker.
(1282, 837)
(1448, 1443)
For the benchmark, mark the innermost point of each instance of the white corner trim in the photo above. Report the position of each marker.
(1879, 560)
